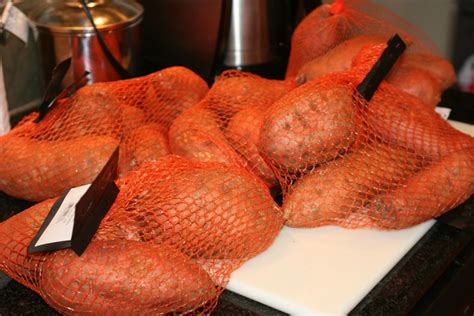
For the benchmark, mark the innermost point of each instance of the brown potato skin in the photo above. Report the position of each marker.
(331, 194)
(398, 117)
(243, 133)
(441, 69)
(208, 212)
(124, 277)
(145, 143)
(54, 167)
(176, 89)
(235, 91)
(422, 75)
(196, 135)
(337, 59)
(16, 234)
(428, 194)
(417, 82)
(329, 30)
(309, 126)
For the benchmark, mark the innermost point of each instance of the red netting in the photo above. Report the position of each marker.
(224, 126)
(173, 236)
(181, 225)
(388, 163)
(16, 234)
(332, 24)
(72, 143)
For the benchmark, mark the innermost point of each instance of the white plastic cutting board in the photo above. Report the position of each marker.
(326, 270)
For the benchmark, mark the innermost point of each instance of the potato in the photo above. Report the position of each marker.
(37, 170)
(335, 191)
(337, 59)
(124, 277)
(411, 73)
(417, 82)
(162, 95)
(312, 124)
(81, 115)
(16, 234)
(437, 66)
(400, 118)
(319, 32)
(235, 91)
(206, 210)
(196, 135)
(147, 142)
(88, 112)
(243, 133)
(132, 118)
(175, 90)
(426, 195)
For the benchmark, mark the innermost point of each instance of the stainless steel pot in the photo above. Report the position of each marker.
(249, 41)
(64, 31)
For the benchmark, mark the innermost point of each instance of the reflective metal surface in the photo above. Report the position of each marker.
(249, 41)
(64, 32)
(68, 16)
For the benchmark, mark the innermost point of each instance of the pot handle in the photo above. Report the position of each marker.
(124, 74)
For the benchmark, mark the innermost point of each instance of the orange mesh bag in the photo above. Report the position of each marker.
(331, 25)
(208, 210)
(16, 234)
(168, 245)
(224, 126)
(388, 163)
(116, 276)
(74, 140)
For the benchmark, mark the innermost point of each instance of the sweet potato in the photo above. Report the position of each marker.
(320, 31)
(417, 82)
(337, 59)
(310, 125)
(206, 210)
(81, 115)
(147, 142)
(176, 89)
(243, 132)
(16, 234)
(132, 118)
(124, 277)
(438, 67)
(426, 195)
(162, 95)
(400, 118)
(411, 73)
(333, 192)
(196, 135)
(235, 91)
(36, 170)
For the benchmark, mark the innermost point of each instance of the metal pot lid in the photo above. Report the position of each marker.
(69, 17)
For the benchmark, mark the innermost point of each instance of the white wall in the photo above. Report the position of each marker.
(436, 18)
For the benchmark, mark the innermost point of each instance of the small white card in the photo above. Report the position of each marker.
(15, 22)
(75, 217)
(444, 112)
(62, 224)
(4, 116)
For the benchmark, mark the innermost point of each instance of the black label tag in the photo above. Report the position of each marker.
(395, 47)
(75, 217)
(54, 91)
(54, 87)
